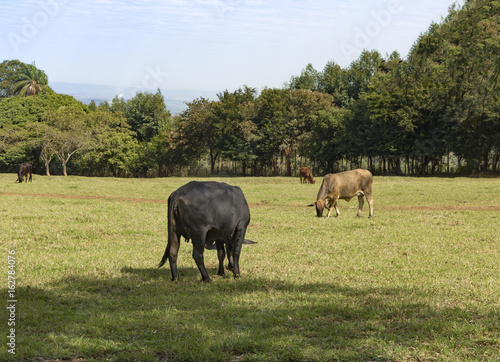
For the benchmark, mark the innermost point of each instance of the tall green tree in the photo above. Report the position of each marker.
(284, 117)
(361, 72)
(235, 130)
(309, 79)
(458, 61)
(323, 145)
(333, 80)
(193, 134)
(67, 133)
(9, 70)
(112, 147)
(304, 108)
(271, 122)
(146, 113)
(30, 80)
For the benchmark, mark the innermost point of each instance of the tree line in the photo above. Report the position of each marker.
(435, 111)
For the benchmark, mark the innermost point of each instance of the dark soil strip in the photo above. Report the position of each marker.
(397, 208)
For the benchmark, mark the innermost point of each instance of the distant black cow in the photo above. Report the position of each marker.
(23, 171)
(207, 213)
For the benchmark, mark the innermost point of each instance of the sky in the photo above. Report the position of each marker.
(205, 45)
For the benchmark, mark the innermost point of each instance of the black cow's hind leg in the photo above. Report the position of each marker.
(171, 252)
(239, 235)
(198, 248)
(230, 257)
(221, 255)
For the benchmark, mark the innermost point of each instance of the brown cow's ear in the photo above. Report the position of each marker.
(313, 204)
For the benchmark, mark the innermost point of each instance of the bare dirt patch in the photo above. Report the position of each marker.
(386, 207)
(86, 197)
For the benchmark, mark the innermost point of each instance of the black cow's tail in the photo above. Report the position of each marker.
(172, 206)
(247, 241)
(164, 259)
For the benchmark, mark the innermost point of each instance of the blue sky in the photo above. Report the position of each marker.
(209, 45)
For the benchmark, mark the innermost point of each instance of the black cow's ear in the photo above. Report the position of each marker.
(313, 204)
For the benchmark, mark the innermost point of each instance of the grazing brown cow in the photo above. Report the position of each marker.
(344, 185)
(306, 175)
(23, 171)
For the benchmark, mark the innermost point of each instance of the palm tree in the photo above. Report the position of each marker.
(31, 80)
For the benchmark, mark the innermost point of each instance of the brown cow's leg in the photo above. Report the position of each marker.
(336, 206)
(329, 211)
(369, 198)
(331, 207)
(360, 202)
(331, 202)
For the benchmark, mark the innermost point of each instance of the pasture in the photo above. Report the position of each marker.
(418, 281)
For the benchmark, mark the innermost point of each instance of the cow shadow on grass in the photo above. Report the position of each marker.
(140, 313)
(162, 273)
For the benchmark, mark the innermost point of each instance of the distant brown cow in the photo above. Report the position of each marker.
(24, 171)
(306, 175)
(344, 185)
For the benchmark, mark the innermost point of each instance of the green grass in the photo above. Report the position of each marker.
(418, 281)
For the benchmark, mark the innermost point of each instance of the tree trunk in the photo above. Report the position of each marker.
(288, 151)
(64, 168)
(484, 166)
(213, 159)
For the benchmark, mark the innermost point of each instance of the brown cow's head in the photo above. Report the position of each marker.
(320, 206)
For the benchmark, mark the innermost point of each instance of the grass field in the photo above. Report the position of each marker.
(418, 281)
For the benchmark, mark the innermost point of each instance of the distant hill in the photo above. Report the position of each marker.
(175, 99)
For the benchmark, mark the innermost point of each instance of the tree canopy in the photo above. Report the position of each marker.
(434, 110)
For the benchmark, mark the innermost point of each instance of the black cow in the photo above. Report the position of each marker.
(24, 170)
(207, 213)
